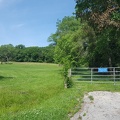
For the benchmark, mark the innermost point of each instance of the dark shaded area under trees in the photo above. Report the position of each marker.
(103, 16)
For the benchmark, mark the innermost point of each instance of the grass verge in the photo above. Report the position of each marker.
(34, 91)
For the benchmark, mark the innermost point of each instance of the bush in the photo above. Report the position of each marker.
(68, 82)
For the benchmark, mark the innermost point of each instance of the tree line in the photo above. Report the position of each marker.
(103, 16)
(91, 38)
(20, 53)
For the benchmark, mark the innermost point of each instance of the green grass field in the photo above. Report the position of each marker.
(34, 91)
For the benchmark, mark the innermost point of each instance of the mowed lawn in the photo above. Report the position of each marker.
(35, 91)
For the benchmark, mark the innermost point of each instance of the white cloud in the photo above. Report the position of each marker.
(17, 26)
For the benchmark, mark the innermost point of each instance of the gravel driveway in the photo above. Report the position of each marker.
(100, 105)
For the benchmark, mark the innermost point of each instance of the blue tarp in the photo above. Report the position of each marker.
(103, 70)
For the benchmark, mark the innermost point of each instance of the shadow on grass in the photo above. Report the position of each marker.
(5, 78)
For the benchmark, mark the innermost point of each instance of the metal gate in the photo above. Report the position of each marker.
(96, 75)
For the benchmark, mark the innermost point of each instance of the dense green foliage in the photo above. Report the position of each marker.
(20, 53)
(104, 17)
(34, 91)
(93, 39)
(100, 14)
(71, 40)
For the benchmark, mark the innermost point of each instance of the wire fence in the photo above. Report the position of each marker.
(96, 75)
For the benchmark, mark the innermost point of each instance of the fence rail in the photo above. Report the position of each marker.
(99, 75)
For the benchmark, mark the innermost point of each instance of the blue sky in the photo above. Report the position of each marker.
(31, 22)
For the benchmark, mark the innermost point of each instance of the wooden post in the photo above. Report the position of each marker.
(114, 75)
(68, 77)
(91, 75)
(69, 73)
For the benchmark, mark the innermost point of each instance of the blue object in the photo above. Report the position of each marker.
(102, 70)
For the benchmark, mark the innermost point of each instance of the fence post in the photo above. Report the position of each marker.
(91, 75)
(69, 73)
(114, 75)
(67, 78)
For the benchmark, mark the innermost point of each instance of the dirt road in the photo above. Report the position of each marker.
(100, 105)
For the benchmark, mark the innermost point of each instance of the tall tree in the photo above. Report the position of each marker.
(104, 17)
(71, 39)
(99, 13)
(67, 40)
(6, 52)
